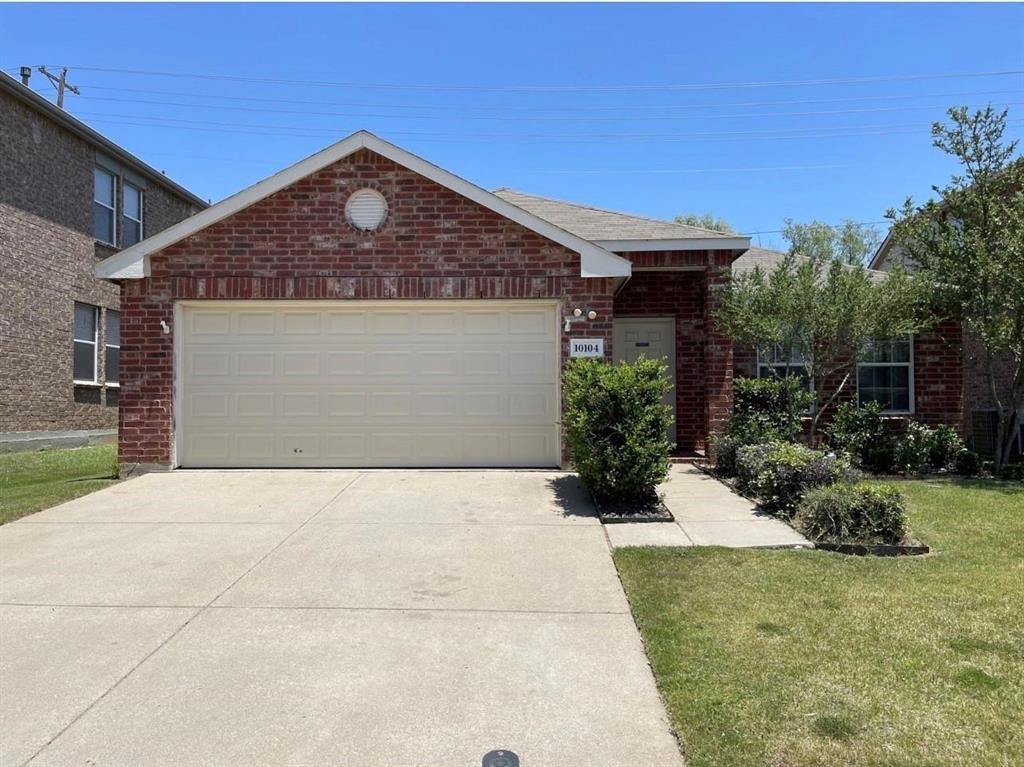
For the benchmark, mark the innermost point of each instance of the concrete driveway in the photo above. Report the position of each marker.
(322, 618)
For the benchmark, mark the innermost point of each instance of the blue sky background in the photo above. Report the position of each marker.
(630, 107)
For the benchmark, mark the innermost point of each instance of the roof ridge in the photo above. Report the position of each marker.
(613, 212)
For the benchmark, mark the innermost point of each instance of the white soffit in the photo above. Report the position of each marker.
(133, 263)
(697, 243)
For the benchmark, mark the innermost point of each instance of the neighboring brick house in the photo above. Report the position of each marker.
(68, 198)
(966, 370)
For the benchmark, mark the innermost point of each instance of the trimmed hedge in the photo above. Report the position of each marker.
(779, 474)
(854, 513)
(616, 426)
(764, 410)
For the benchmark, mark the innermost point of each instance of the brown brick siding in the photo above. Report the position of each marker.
(938, 377)
(47, 253)
(297, 245)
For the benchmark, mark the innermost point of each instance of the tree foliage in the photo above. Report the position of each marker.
(820, 312)
(968, 244)
(849, 242)
(705, 221)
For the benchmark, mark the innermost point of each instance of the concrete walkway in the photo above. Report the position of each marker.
(707, 513)
(407, 619)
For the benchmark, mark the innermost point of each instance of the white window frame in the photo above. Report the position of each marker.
(909, 364)
(124, 209)
(107, 345)
(95, 345)
(111, 207)
(789, 365)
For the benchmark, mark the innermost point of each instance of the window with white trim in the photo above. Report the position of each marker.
(775, 362)
(86, 326)
(112, 355)
(885, 374)
(131, 216)
(104, 204)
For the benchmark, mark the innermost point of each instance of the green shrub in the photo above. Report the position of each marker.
(854, 513)
(778, 474)
(913, 449)
(616, 426)
(919, 449)
(765, 410)
(857, 431)
(945, 449)
(1013, 472)
(724, 448)
(968, 463)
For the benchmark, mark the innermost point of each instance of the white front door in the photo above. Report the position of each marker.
(354, 383)
(653, 338)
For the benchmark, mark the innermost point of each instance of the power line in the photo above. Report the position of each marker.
(797, 132)
(462, 108)
(637, 118)
(554, 88)
(780, 231)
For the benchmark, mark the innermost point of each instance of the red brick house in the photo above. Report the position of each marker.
(367, 308)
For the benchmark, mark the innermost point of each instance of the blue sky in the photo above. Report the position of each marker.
(653, 109)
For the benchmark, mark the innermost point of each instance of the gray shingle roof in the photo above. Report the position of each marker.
(769, 259)
(595, 224)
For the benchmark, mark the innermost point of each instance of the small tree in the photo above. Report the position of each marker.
(849, 242)
(969, 246)
(705, 221)
(819, 313)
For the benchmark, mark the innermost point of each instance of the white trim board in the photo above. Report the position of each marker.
(133, 263)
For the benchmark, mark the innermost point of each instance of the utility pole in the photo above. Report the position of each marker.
(61, 84)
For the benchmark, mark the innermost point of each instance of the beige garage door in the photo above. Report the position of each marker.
(444, 383)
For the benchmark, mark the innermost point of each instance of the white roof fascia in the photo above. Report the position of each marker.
(133, 263)
(702, 243)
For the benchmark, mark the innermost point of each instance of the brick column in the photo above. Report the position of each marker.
(718, 363)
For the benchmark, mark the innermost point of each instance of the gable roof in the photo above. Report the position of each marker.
(69, 122)
(622, 231)
(133, 263)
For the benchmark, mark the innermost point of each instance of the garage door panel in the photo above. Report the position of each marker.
(316, 385)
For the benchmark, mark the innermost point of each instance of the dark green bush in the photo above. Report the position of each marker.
(724, 448)
(767, 409)
(764, 410)
(857, 431)
(920, 449)
(854, 513)
(616, 426)
(945, 448)
(968, 463)
(1013, 472)
(779, 474)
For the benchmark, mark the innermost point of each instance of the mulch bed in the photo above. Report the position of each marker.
(911, 548)
(651, 510)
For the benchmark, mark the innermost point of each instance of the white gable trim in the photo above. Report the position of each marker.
(696, 243)
(133, 263)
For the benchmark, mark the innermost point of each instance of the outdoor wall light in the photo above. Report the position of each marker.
(578, 315)
(165, 327)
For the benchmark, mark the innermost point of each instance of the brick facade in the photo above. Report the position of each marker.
(296, 244)
(939, 380)
(47, 254)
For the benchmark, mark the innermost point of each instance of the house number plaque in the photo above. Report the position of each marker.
(586, 347)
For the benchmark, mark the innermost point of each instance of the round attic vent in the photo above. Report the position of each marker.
(366, 209)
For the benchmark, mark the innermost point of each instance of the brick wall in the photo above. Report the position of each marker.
(296, 244)
(47, 253)
(939, 377)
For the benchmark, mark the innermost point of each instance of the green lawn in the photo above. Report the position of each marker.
(33, 481)
(790, 658)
